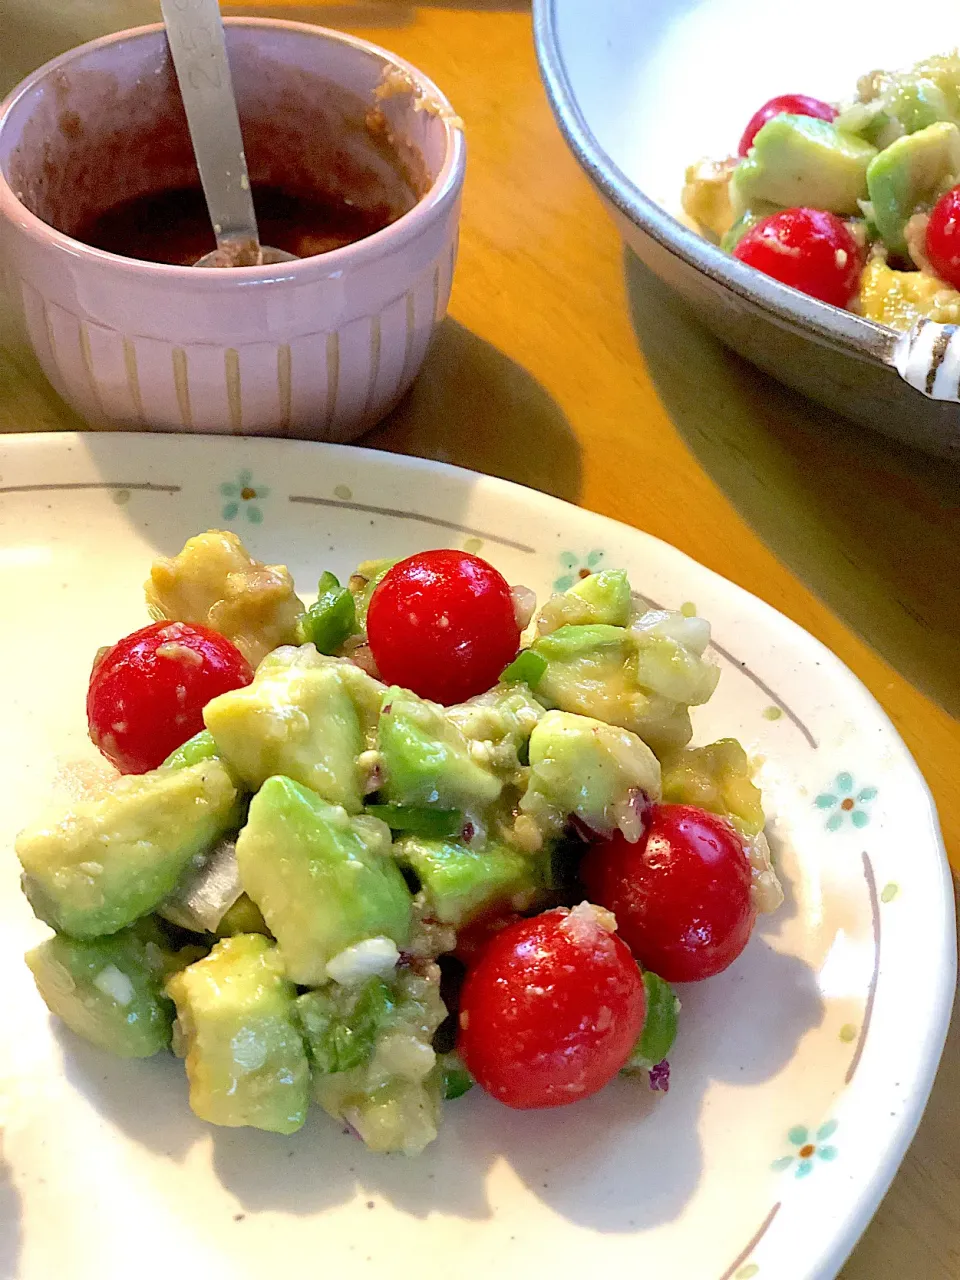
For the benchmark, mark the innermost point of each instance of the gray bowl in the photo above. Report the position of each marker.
(831, 355)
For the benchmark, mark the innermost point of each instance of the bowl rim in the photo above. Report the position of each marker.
(406, 228)
(857, 336)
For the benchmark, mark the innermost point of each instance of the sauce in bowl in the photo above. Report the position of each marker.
(173, 226)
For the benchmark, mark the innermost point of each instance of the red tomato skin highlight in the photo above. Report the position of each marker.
(681, 894)
(551, 1010)
(147, 693)
(809, 249)
(442, 623)
(943, 237)
(785, 104)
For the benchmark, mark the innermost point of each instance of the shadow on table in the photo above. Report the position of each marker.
(10, 1230)
(582, 1161)
(871, 526)
(45, 30)
(919, 1218)
(474, 406)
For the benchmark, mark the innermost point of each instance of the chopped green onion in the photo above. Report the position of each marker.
(457, 1080)
(660, 1025)
(526, 666)
(436, 824)
(330, 619)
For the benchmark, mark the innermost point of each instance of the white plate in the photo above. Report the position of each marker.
(827, 1031)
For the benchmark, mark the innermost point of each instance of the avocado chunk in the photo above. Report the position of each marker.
(643, 678)
(603, 597)
(113, 859)
(215, 581)
(461, 882)
(245, 1057)
(798, 160)
(497, 725)
(322, 879)
(425, 758)
(716, 778)
(392, 1096)
(340, 1024)
(608, 595)
(298, 718)
(900, 298)
(200, 747)
(108, 990)
(891, 104)
(909, 173)
(582, 766)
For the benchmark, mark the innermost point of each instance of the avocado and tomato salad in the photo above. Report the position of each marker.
(414, 837)
(856, 204)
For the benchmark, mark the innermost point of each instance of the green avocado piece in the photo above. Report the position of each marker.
(583, 766)
(909, 173)
(245, 1057)
(905, 102)
(322, 879)
(393, 1097)
(461, 882)
(716, 778)
(608, 595)
(500, 721)
(298, 718)
(340, 1024)
(643, 678)
(200, 747)
(425, 759)
(363, 582)
(108, 990)
(113, 859)
(798, 160)
(526, 668)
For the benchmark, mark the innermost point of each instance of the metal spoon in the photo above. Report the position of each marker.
(199, 52)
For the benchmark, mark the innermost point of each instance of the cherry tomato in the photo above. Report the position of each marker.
(442, 624)
(809, 249)
(147, 693)
(943, 237)
(474, 938)
(681, 894)
(787, 104)
(552, 1009)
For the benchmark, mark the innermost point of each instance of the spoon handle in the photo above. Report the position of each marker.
(199, 52)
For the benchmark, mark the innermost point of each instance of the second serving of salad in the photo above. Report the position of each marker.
(857, 203)
(414, 837)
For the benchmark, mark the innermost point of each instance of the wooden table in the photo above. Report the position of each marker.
(566, 366)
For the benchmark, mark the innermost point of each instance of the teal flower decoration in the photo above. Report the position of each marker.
(242, 495)
(809, 1149)
(844, 802)
(574, 567)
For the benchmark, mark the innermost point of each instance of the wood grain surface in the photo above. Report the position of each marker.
(566, 366)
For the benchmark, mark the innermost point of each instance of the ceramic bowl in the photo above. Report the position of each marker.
(642, 88)
(321, 347)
